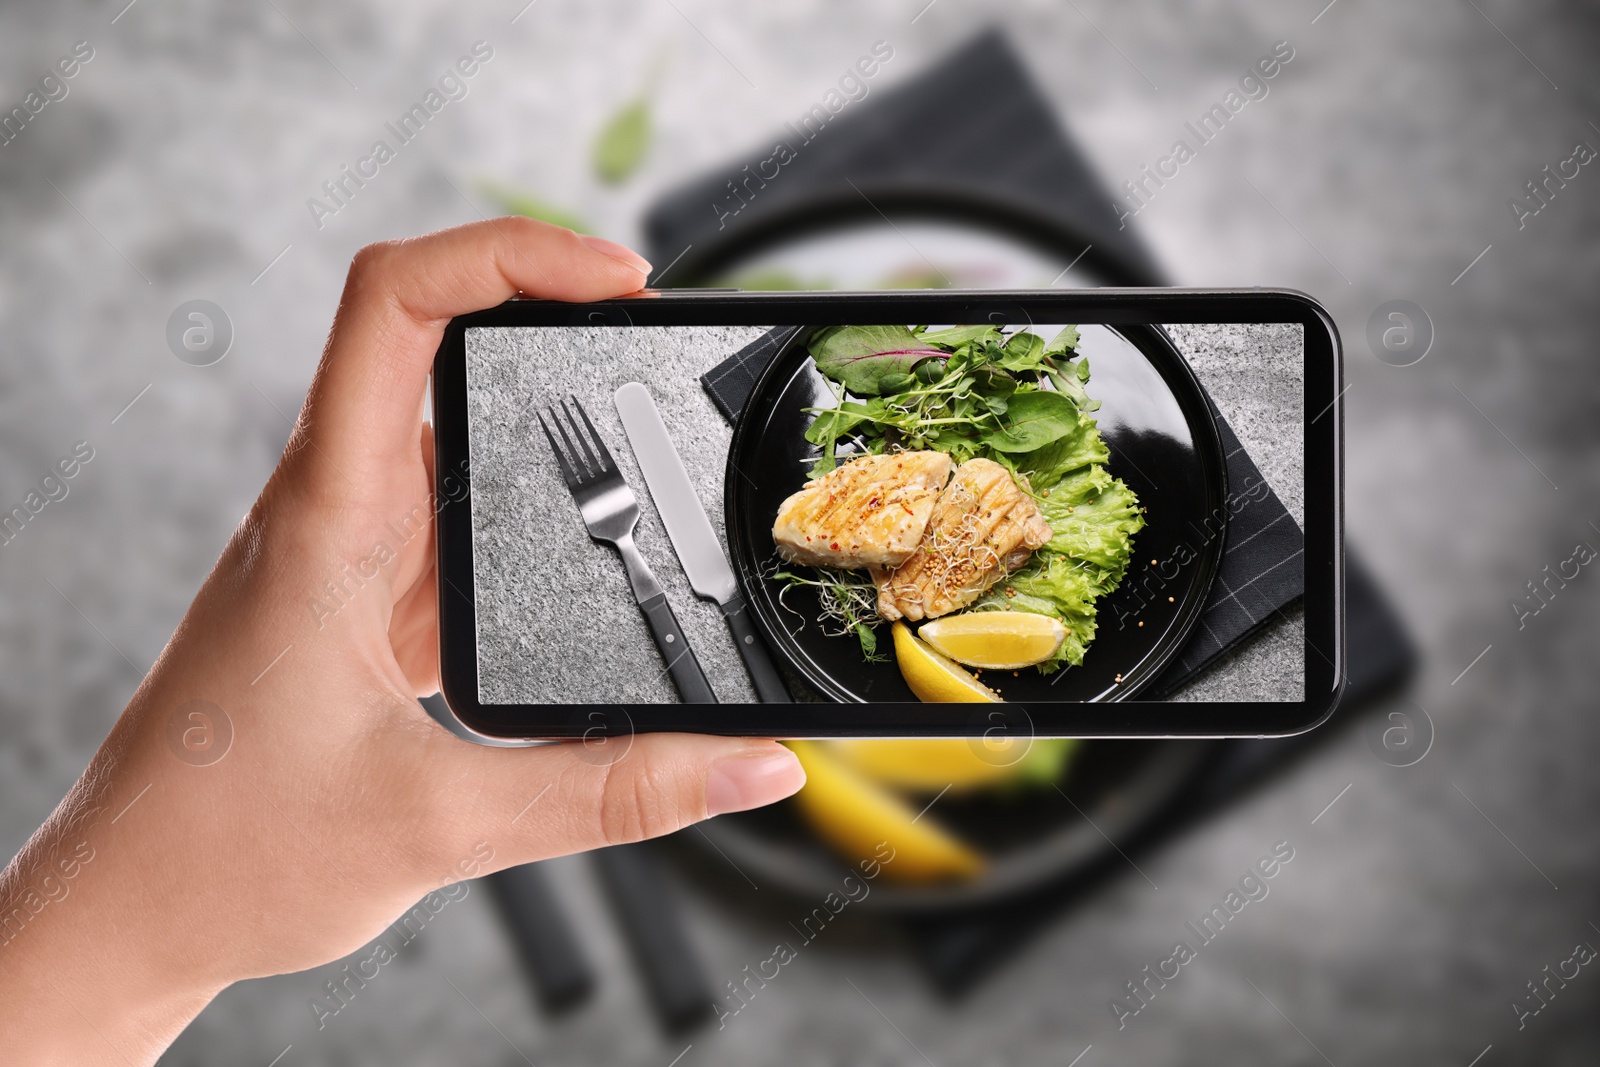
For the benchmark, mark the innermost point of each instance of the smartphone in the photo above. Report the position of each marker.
(1091, 513)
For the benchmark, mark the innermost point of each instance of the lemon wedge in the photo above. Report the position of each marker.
(995, 640)
(929, 764)
(934, 678)
(865, 822)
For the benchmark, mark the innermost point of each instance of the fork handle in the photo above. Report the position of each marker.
(681, 664)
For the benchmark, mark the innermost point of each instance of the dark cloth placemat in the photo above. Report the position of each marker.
(1262, 570)
(972, 124)
(1263, 557)
(730, 383)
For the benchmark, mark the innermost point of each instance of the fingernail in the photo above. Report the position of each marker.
(616, 251)
(739, 783)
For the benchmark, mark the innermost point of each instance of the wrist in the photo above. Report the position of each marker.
(87, 971)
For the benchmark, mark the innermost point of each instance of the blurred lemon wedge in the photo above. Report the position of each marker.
(933, 763)
(857, 816)
(995, 640)
(934, 678)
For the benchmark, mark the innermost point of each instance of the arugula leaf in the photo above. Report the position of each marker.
(992, 382)
(1033, 419)
(860, 357)
(834, 423)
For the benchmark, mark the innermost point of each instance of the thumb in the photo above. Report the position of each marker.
(570, 797)
(362, 409)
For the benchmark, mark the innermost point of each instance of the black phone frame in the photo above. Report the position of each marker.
(1324, 520)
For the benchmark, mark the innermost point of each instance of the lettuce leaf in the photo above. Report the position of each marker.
(1096, 525)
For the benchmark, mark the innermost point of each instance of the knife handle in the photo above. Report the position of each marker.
(543, 935)
(769, 683)
(674, 646)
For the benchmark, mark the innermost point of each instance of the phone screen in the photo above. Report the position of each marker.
(936, 512)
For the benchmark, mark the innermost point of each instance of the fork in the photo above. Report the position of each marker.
(610, 512)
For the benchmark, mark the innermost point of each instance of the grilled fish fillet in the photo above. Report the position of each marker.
(983, 526)
(869, 512)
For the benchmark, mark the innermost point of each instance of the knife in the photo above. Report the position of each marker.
(696, 542)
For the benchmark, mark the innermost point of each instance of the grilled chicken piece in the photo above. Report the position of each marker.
(982, 527)
(870, 511)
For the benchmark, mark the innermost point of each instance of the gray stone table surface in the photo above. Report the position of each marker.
(1379, 167)
(556, 618)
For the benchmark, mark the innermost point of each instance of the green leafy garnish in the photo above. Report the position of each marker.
(1032, 420)
(1046, 761)
(849, 604)
(956, 336)
(861, 357)
(1063, 342)
(512, 202)
(623, 142)
(974, 391)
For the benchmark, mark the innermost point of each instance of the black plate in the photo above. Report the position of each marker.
(1163, 440)
(1030, 837)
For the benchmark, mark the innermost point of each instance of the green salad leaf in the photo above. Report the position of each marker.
(1063, 342)
(956, 336)
(1023, 352)
(1047, 465)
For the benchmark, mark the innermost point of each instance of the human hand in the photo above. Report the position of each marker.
(159, 881)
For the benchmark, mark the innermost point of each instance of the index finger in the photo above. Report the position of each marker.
(399, 296)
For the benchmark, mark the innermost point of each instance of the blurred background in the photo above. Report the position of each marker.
(1432, 880)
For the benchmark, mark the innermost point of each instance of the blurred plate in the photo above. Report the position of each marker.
(914, 253)
(898, 235)
(1164, 444)
(1032, 836)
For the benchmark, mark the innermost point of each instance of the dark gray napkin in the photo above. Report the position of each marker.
(972, 125)
(1263, 558)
